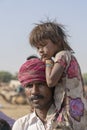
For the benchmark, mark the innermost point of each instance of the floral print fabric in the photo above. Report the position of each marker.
(76, 108)
(68, 95)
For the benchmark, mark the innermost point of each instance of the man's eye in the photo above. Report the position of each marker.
(41, 84)
(29, 86)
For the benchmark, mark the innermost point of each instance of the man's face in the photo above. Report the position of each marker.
(39, 94)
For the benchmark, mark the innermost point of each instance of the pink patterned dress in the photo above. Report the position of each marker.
(69, 98)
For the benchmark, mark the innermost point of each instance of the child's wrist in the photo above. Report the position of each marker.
(49, 63)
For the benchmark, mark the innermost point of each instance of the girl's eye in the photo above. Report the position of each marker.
(37, 48)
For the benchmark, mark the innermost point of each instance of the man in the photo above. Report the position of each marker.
(32, 77)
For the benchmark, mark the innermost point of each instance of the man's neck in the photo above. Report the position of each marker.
(42, 113)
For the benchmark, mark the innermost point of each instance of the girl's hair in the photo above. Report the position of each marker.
(4, 125)
(49, 30)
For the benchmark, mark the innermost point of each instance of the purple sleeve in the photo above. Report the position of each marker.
(8, 119)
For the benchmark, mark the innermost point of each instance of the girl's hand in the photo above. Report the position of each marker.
(43, 59)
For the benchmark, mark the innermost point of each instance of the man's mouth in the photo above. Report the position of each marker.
(36, 97)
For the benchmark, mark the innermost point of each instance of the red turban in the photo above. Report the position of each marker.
(32, 70)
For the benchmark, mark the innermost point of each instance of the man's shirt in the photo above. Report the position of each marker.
(33, 122)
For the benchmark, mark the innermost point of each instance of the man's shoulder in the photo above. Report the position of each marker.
(26, 117)
(23, 122)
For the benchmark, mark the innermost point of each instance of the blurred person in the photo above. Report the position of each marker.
(4, 125)
(8, 119)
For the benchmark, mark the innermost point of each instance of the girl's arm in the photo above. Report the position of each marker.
(54, 71)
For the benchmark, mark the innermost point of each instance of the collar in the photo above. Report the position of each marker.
(34, 118)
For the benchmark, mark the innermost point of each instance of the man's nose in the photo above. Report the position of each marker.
(34, 89)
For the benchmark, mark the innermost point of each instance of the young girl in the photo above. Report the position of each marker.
(63, 72)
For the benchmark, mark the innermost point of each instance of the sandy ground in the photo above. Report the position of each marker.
(13, 111)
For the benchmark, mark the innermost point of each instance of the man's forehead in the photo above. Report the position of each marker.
(37, 82)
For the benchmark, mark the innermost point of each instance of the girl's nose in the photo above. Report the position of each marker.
(40, 49)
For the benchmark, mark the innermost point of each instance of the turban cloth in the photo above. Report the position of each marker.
(32, 70)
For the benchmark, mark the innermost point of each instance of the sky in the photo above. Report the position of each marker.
(18, 17)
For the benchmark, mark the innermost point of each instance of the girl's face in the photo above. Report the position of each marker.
(47, 50)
